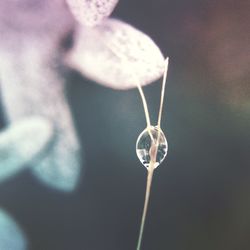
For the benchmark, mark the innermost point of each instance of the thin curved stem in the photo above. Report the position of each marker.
(153, 150)
(153, 154)
(145, 209)
(145, 106)
(163, 92)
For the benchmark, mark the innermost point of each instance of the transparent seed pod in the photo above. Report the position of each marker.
(151, 145)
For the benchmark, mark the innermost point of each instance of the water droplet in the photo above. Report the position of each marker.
(151, 145)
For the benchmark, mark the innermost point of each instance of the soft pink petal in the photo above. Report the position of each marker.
(32, 39)
(91, 12)
(116, 55)
(22, 143)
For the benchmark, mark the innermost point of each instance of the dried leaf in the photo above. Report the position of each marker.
(116, 55)
(11, 236)
(91, 12)
(21, 143)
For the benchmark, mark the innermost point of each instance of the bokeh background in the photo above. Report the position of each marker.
(201, 192)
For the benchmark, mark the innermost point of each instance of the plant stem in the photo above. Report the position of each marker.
(163, 91)
(147, 195)
(153, 150)
(145, 106)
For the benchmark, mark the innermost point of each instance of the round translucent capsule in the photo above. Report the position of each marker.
(152, 146)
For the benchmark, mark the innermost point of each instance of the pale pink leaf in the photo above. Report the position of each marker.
(116, 55)
(91, 12)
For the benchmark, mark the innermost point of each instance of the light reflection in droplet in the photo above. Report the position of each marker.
(150, 139)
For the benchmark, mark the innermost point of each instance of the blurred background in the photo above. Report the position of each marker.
(201, 192)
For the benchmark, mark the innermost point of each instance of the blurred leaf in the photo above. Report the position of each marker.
(33, 81)
(11, 236)
(91, 12)
(21, 143)
(116, 55)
